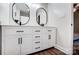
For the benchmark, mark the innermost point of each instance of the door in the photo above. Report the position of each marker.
(26, 44)
(12, 45)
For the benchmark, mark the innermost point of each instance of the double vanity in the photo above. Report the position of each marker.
(26, 40)
(21, 39)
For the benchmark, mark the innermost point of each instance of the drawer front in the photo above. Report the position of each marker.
(51, 31)
(11, 32)
(37, 43)
(36, 48)
(37, 31)
(25, 30)
(37, 37)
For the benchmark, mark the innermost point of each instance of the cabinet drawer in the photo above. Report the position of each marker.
(36, 37)
(51, 30)
(37, 48)
(37, 43)
(37, 31)
(11, 32)
(25, 31)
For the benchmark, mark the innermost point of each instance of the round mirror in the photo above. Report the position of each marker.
(41, 16)
(20, 13)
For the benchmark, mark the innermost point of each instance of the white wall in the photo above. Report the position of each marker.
(60, 16)
(4, 13)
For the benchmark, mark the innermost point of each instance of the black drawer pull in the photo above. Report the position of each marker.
(18, 40)
(21, 40)
(19, 31)
(37, 42)
(49, 30)
(37, 31)
(49, 37)
(37, 36)
(37, 47)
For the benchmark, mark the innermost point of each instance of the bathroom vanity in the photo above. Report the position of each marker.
(21, 40)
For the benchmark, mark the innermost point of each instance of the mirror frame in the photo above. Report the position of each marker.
(37, 16)
(13, 17)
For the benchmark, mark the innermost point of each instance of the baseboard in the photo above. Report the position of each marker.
(66, 51)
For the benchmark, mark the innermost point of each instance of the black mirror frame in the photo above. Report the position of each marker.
(37, 16)
(13, 17)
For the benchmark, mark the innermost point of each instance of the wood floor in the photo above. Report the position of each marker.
(75, 49)
(50, 51)
(54, 51)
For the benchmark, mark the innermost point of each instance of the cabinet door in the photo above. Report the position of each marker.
(26, 44)
(45, 39)
(12, 46)
(51, 37)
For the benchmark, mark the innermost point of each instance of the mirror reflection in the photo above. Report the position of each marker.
(41, 16)
(20, 13)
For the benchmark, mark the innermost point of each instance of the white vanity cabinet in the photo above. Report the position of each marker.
(37, 39)
(16, 40)
(49, 37)
(51, 32)
(26, 40)
(26, 44)
(18, 45)
(11, 45)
